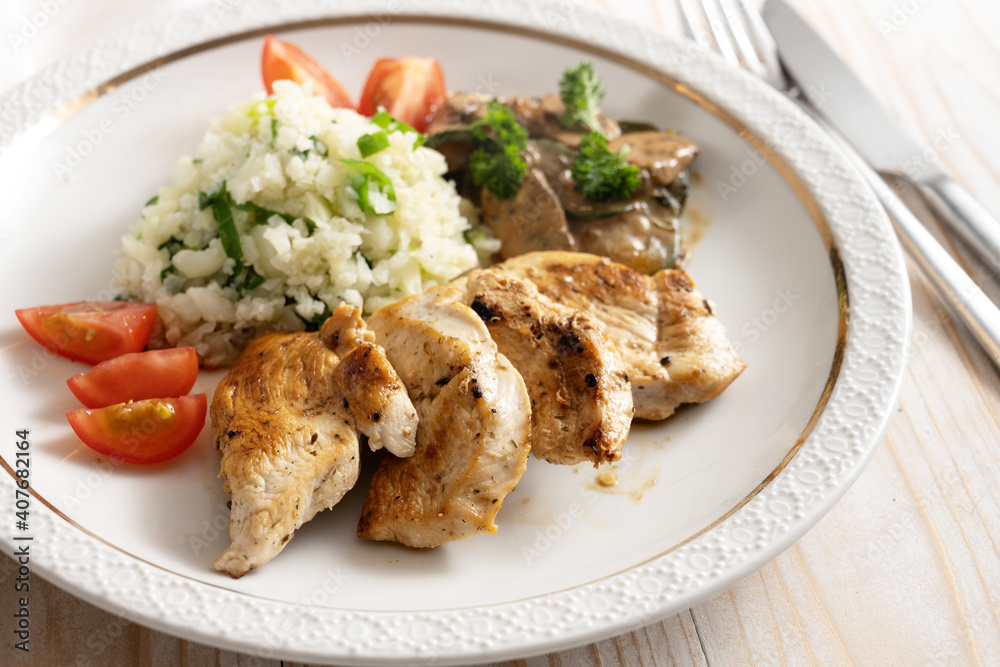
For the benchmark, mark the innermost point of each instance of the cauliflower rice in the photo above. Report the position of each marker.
(274, 165)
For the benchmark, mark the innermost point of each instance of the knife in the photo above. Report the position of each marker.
(834, 90)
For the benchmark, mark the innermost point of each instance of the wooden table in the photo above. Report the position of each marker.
(905, 570)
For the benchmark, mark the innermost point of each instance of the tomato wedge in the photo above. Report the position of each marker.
(136, 377)
(410, 89)
(284, 60)
(90, 331)
(151, 431)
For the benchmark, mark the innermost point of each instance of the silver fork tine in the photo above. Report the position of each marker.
(763, 43)
(692, 23)
(749, 56)
(716, 24)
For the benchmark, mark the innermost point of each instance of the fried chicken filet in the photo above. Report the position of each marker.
(473, 436)
(286, 419)
(674, 348)
(581, 403)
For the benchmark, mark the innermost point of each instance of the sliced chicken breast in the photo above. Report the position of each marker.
(473, 434)
(674, 348)
(286, 419)
(581, 402)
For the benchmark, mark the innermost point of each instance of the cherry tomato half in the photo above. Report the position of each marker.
(150, 431)
(90, 331)
(410, 89)
(136, 377)
(284, 60)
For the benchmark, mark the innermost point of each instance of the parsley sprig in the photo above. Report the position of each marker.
(581, 93)
(497, 163)
(602, 175)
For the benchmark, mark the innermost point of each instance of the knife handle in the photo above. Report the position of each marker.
(969, 303)
(965, 217)
(963, 296)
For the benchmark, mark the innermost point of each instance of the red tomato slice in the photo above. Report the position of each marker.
(91, 331)
(136, 377)
(410, 89)
(145, 432)
(283, 60)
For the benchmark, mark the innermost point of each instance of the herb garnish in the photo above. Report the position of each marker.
(390, 124)
(254, 279)
(314, 323)
(602, 175)
(372, 143)
(318, 146)
(497, 163)
(260, 215)
(364, 175)
(256, 113)
(221, 203)
(369, 144)
(581, 92)
(597, 172)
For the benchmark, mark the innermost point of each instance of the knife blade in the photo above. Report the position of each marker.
(844, 101)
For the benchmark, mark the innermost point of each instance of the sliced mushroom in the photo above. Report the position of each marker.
(533, 219)
(664, 154)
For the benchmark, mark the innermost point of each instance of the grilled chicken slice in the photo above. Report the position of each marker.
(286, 419)
(674, 348)
(473, 433)
(581, 402)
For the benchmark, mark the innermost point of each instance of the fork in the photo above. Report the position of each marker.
(742, 38)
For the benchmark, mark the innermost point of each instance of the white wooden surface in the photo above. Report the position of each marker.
(905, 570)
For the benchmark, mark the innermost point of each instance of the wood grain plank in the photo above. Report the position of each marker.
(720, 631)
(820, 631)
(67, 630)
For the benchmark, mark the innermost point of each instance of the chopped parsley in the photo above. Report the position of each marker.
(256, 113)
(152, 200)
(317, 146)
(221, 203)
(253, 279)
(602, 175)
(390, 124)
(364, 175)
(581, 92)
(372, 143)
(316, 321)
(369, 144)
(260, 215)
(172, 245)
(497, 163)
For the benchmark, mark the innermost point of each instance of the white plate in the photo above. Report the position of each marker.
(703, 499)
